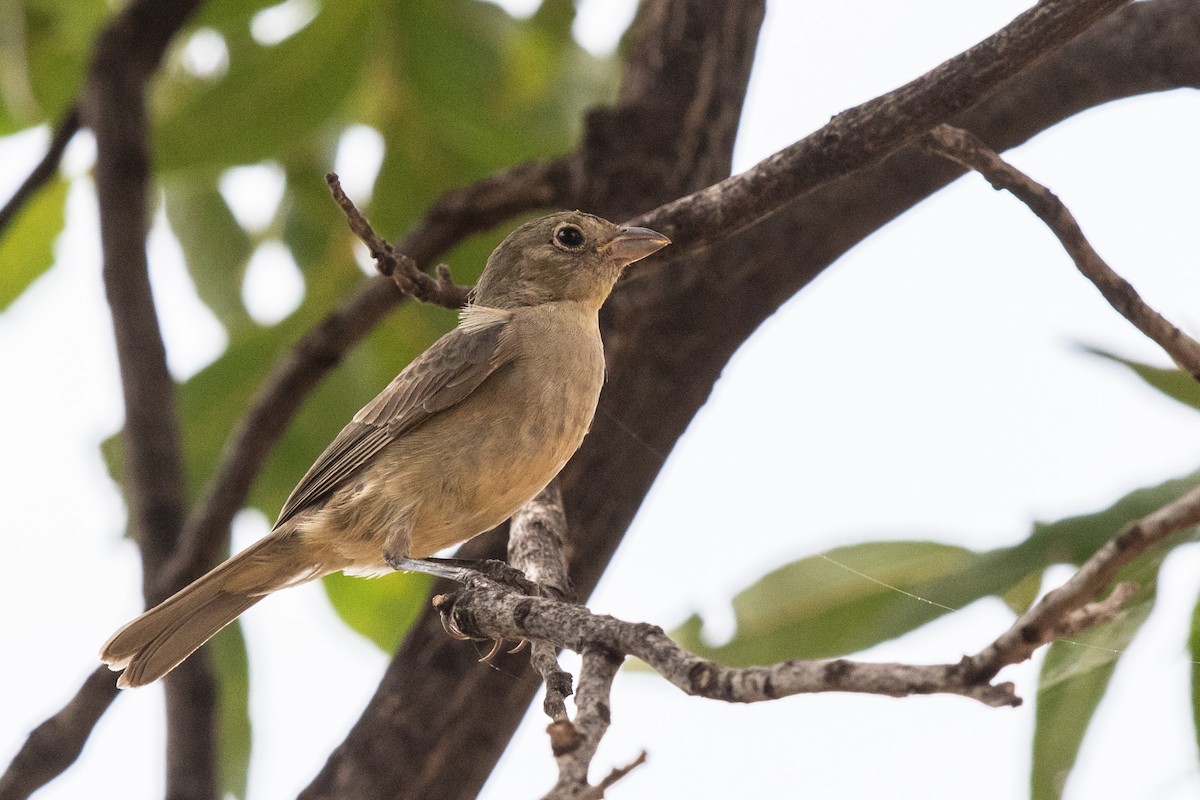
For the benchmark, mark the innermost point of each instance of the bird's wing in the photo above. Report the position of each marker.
(445, 374)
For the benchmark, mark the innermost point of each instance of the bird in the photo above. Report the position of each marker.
(467, 433)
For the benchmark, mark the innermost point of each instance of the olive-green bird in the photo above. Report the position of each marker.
(473, 428)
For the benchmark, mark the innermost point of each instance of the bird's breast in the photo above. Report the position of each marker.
(513, 434)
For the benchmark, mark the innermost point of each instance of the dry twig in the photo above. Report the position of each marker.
(408, 277)
(967, 149)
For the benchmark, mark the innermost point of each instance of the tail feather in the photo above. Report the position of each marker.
(156, 642)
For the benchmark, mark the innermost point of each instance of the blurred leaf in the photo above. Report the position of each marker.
(44, 57)
(1073, 540)
(1174, 383)
(381, 609)
(228, 652)
(27, 247)
(270, 97)
(312, 225)
(1021, 596)
(1194, 654)
(467, 89)
(215, 246)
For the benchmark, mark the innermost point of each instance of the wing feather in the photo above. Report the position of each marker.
(442, 376)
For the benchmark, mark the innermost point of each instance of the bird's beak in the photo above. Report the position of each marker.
(633, 244)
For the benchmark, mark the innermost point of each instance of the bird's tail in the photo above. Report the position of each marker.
(156, 642)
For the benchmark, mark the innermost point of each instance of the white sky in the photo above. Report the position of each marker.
(925, 387)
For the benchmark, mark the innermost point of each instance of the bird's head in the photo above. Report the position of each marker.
(566, 256)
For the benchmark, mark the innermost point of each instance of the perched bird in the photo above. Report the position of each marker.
(468, 432)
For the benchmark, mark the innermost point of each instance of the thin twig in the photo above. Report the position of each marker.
(969, 150)
(1052, 616)
(618, 773)
(64, 131)
(409, 278)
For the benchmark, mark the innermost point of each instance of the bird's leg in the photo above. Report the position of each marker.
(434, 567)
(462, 570)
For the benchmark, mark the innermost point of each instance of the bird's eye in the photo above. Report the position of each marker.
(569, 236)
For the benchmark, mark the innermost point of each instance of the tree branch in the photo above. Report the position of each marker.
(536, 537)
(55, 744)
(64, 131)
(487, 609)
(1042, 622)
(869, 132)
(967, 149)
(114, 107)
(404, 272)
(574, 744)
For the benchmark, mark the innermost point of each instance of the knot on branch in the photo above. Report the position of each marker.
(565, 738)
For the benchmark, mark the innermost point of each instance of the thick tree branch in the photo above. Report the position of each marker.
(114, 107)
(867, 133)
(64, 131)
(967, 149)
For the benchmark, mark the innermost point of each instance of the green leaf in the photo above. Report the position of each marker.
(1174, 383)
(1194, 651)
(215, 246)
(823, 606)
(382, 609)
(1021, 596)
(1073, 540)
(228, 652)
(1074, 677)
(27, 248)
(855, 597)
(270, 98)
(44, 74)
